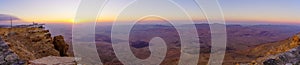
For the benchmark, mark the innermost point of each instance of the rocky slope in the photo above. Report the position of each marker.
(276, 47)
(276, 53)
(289, 55)
(26, 44)
(7, 56)
(292, 57)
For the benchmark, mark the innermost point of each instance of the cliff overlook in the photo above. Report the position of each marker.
(29, 44)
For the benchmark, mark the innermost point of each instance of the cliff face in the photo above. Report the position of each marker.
(33, 43)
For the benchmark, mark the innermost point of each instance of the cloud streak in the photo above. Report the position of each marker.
(6, 18)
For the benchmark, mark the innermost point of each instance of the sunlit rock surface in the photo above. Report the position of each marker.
(52, 60)
(285, 52)
(23, 44)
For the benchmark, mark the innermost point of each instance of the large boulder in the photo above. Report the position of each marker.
(60, 45)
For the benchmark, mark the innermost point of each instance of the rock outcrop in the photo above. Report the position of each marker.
(31, 44)
(291, 57)
(61, 45)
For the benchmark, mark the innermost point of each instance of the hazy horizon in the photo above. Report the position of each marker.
(235, 11)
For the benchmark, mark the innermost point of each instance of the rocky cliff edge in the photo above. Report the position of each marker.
(21, 45)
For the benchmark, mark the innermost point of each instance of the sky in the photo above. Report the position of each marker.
(235, 11)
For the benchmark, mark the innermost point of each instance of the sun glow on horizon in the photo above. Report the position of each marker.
(58, 11)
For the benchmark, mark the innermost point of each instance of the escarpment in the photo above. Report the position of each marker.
(275, 47)
(276, 53)
(32, 44)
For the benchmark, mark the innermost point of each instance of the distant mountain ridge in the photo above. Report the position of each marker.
(240, 38)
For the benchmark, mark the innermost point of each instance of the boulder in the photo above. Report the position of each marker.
(271, 62)
(60, 45)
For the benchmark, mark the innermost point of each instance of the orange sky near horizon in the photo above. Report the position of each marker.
(58, 11)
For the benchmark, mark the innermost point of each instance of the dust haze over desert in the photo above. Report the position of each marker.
(36, 32)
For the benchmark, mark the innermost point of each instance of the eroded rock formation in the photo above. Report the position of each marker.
(31, 44)
(61, 45)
